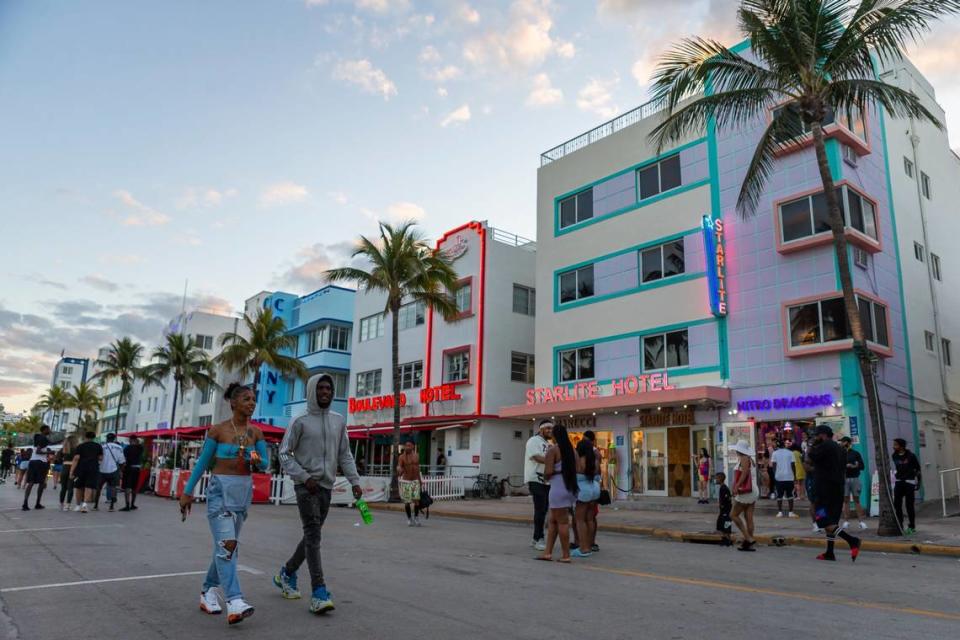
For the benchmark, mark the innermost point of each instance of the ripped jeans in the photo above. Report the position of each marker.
(228, 498)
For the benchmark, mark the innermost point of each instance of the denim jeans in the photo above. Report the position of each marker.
(228, 498)
(313, 511)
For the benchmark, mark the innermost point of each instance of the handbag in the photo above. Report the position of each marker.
(604, 498)
(736, 482)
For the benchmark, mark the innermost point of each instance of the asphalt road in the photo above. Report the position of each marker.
(449, 579)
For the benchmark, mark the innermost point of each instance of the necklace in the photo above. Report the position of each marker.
(241, 440)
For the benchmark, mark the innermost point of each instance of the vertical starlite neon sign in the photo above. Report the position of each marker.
(714, 245)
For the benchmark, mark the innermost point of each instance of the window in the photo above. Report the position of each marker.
(935, 266)
(809, 215)
(411, 375)
(662, 261)
(368, 383)
(852, 119)
(521, 367)
(291, 387)
(340, 383)
(64, 384)
(873, 319)
(339, 338)
(139, 406)
(818, 322)
(576, 364)
(925, 185)
(666, 350)
(850, 155)
(314, 340)
(659, 177)
(861, 258)
(576, 284)
(456, 366)
(524, 300)
(576, 209)
(928, 341)
(371, 327)
(206, 394)
(947, 356)
(412, 314)
(463, 439)
(205, 421)
(918, 251)
(908, 167)
(464, 298)
(67, 371)
(204, 342)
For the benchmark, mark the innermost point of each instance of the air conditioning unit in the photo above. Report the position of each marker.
(861, 258)
(850, 156)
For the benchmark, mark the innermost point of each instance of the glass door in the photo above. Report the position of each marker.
(655, 462)
(701, 438)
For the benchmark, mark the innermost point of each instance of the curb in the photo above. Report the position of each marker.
(681, 536)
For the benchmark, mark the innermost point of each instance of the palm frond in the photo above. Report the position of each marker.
(846, 94)
(782, 133)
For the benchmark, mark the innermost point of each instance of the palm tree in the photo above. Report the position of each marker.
(28, 424)
(181, 358)
(814, 57)
(266, 345)
(122, 362)
(86, 399)
(406, 269)
(55, 400)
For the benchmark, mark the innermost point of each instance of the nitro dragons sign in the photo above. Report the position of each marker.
(714, 245)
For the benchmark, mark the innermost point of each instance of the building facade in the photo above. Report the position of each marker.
(68, 373)
(455, 375)
(668, 323)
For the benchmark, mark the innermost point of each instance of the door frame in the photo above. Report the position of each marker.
(665, 457)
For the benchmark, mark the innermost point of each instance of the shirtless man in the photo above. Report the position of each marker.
(408, 472)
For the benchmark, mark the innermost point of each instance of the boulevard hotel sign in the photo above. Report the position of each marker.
(628, 386)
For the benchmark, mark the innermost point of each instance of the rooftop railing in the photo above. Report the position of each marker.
(598, 133)
(512, 239)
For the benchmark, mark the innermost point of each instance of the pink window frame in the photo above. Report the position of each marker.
(837, 345)
(823, 238)
(468, 349)
(832, 130)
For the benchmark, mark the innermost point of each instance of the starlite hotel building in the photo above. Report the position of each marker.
(667, 323)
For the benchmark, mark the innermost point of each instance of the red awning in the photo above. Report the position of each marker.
(270, 432)
(420, 423)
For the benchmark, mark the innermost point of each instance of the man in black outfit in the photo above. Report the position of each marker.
(908, 479)
(38, 467)
(830, 470)
(133, 457)
(6, 461)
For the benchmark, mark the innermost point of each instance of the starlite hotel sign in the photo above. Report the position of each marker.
(715, 250)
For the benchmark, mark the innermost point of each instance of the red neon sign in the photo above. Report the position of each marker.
(440, 393)
(630, 385)
(376, 403)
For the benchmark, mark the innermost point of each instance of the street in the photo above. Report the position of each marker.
(138, 575)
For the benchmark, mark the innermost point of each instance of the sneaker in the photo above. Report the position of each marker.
(846, 523)
(133, 507)
(39, 506)
(862, 525)
(83, 509)
(410, 522)
(111, 508)
(541, 545)
(594, 548)
(779, 514)
(533, 543)
(237, 610)
(416, 522)
(817, 529)
(209, 603)
(64, 507)
(320, 601)
(909, 531)
(792, 515)
(577, 553)
(76, 508)
(854, 549)
(25, 508)
(287, 583)
(827, 556)
(124, 509)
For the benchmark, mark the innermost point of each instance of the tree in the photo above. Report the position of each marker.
(404, 267)
(266, 346)
(55, 400)
(187, 363)
(85, 399)
(815, 58)
(122, 362)
(28, 424)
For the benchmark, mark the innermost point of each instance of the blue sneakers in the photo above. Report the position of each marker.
(287, 583)
(321, 601)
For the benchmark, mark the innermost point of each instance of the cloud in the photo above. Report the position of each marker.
(524, 42)
(459, 115)
(596, 97)
(139, 214)
(125, 259)
(403, 211)
(444, 74)
(339, 197)
(99, 282)
(363, 74)
(543, 93)
(467, 14)
(282, 193)
(442, 92)
(382, 6)
(307, 269)
(315, 3)
(39, 279)
(203, 197)
(429, 55)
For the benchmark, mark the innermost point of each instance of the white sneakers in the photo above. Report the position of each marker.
(862, 525)
(209, 603)
(541, 545)
(816, 529)
(779, 514)
(792, 515)
(416, 522)
(237, 610)
(846, 523)
(410, 522)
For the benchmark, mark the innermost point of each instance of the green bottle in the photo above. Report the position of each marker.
(364, 511)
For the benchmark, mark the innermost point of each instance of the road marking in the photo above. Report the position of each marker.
(94, 526)
(127, 579)
(713, 584)
(243, 567)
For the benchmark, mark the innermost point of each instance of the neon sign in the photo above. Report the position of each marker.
(628, 386)
(714, 245)
(359, 405)
(796, 402)
(441, 393)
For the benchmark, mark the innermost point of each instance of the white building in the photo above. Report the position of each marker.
(455, 375)
(67, 373)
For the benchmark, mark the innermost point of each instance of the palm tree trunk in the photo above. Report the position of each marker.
(395, 368)
(888, 525)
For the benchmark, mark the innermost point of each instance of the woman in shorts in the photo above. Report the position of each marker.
(745, 494)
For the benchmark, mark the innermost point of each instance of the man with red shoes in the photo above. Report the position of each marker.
(830, 465)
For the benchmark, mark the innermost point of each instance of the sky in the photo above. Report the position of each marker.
(243, 145)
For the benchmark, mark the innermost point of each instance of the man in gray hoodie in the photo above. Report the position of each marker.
(312, 448)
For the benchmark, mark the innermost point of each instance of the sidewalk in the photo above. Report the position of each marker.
(936, 536)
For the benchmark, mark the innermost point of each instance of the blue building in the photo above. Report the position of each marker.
(322, 321)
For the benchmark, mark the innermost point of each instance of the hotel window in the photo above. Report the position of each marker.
(928, 341)
(576, 284)
(411, 375)
(851, 118)
(808, 216)
(64, 384)
(576, 364)
(204, 342)
(463, 297)
(139, 406)
(947, 356)
(925, 185)
(205, 421)
(908, 167)
(521, 367)
(456, 366)
(291, 387)
(339, 338)
(666, 350)
(315, 339)
(873, 319)
(341, 384)
(412, 314)
(576, 209)
(371, 327)
(368, 383)
(918, 251)
(662, 261)
(463, 439)
(818, 322)
(206, 394)
(659, 177)
(524, 300)
(67, 371)
(935, 266)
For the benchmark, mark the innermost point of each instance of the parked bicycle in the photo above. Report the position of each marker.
(487, 486)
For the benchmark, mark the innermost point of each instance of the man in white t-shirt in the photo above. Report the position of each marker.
(784, 475)
(111, 466)
(533, 460)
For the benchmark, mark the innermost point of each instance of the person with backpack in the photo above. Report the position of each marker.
(111, 466)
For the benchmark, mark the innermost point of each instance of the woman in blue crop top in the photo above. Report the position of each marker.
(232, 451)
